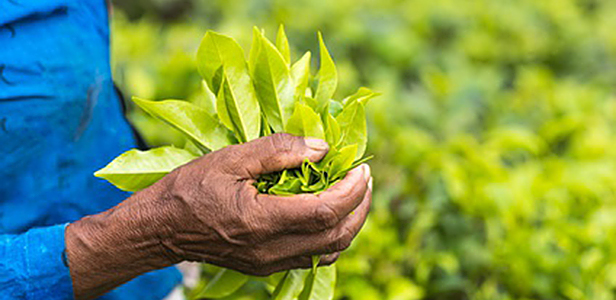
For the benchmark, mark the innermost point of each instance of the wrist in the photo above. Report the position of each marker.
(110, 248)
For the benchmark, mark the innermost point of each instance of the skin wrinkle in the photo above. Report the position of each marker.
(208, 211)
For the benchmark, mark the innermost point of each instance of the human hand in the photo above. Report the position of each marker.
(209, 211)
(219, 217)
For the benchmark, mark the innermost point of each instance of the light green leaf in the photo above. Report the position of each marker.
(342, 161)
(362, 95)
(353, 128)
(335, 107)
(225, 283)
(359, 162)
(300, 71)
(328, 78)
(266, 129)
(272, 280)
(205, 99)
(282, 43)
(255, 49)
(311, 102)
(274, 85)
(291, 285)
(291, 186)
(315, 262)
(135, 170)
(305, 122)
(219, 51)
(320, 285)
(332, 131)
(192, 148)
(195, 122)
(234, 117)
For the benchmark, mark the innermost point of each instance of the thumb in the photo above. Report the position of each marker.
(277, 152)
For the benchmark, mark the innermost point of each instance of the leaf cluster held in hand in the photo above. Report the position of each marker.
(247, 98)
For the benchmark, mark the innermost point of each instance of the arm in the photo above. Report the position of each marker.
(31, 265)
(208, 211)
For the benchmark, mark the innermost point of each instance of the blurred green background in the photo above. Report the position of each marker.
(495, 141)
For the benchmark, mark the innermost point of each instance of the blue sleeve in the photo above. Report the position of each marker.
(32, 265)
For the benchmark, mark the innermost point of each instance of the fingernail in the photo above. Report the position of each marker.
(316, 144)
(370, 184)
(366, 172)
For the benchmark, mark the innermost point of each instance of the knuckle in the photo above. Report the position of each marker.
(228, 160)
(343, 241)
(325, 216)
(233, 155)
(282, 142)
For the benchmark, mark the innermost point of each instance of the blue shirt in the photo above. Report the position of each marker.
(60, 120)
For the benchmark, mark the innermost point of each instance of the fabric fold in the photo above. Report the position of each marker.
(32, 266)
(15, 10)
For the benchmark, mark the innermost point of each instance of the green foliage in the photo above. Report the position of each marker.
(196, 123)
(494, 140)
(136, 170)
(233, 88)
(225, 283)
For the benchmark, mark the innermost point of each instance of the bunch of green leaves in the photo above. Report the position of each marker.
(243, 100)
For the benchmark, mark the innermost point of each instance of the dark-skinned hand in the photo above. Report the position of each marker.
(209, 211)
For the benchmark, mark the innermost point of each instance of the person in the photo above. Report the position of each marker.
(65, 234)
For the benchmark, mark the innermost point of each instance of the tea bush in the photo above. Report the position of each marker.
(494, 140)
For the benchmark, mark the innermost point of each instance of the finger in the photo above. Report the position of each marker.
(329, 241)
(300, 262)
(311, 213)
(339, 238)
(274, 153)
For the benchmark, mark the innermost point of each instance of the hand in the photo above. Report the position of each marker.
(219, 217)
(209, 211)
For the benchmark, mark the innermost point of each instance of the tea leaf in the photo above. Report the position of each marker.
(225, 283)
(320, 285)
(192, 148)
(291, 285)
(359, 162)
(353, 129)
(362, 95)
(291, 186)
(328, 78)
(300, 71)
(315, 262)
(335, 108)
(135, 170)
(205, 99)
(305, 122)
(195, 122)
(332, 131)
(241, 121)
(342, 161)
(255, 49)
(241, 105)
(274, 85)
(266, 129)
(282, 43)
(311, 102)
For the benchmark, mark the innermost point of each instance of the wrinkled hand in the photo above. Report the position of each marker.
(209, 211)
(221, 218)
